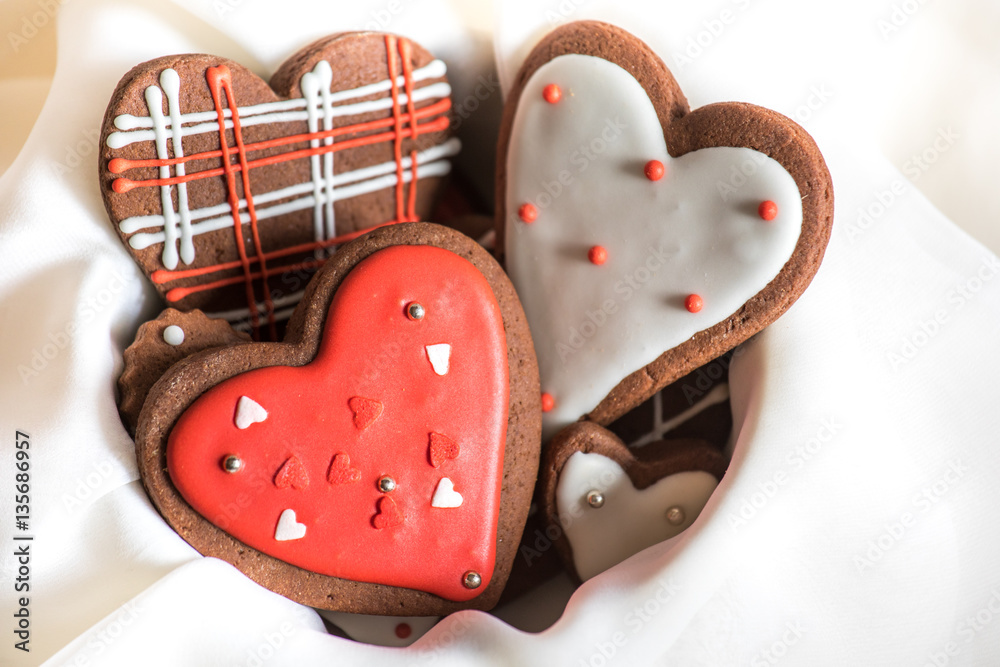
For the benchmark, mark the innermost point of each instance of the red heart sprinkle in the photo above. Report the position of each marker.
(366, 411)
(340, 471)
(441, 449)
(388, 514)
(291, 474)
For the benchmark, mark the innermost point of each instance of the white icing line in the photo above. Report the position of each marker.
(144, 240)
(154, 102)
(311, 84)
(327, 76)
(243, 313)
(171, 84)
(432, 70)
(719, 394)
(447, 149)
(434, 91)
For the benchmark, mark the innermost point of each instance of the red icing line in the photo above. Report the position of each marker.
(552, 93)
(388, 514)
(291, 475)
(341, 472)
(178, 293)
(161, 276)
(119, 165)
(597, 255)
(694, 303)
(366, 411)
(548, 403)
(440, 449)
(405, 53)
(397, 144)
(123, 185)
(767, 210)
(368, 348)
(528, 213)
(220, 78)
(654, 170)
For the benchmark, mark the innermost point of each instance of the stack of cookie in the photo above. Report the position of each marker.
(350, 404)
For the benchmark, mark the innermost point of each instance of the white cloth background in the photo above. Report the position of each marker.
(858, 523)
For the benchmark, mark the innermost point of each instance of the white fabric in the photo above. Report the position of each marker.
(113, 585)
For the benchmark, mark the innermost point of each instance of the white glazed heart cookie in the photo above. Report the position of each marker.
(593, 487)
(643, 238)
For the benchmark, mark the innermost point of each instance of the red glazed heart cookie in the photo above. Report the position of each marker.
(382, 458)
(607, 502)
(231, 192)
(644, 238)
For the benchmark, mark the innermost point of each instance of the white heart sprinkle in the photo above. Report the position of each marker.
(440, 357)
(249, 411)
(446, 496)
(288, 528)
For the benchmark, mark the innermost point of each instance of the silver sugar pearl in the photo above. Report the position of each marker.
(232, 464)
(386, 484)
(675, 515)
(415, 311)
(595, 499)
(472, 580)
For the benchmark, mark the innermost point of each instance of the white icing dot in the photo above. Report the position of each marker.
(173, 335)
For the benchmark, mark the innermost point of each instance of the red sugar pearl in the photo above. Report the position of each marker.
(767, 210)
(597, 255)
(552, 93)
(654, 170)
(403, 630)
(528, 213)
(694, 303)
(548, 403)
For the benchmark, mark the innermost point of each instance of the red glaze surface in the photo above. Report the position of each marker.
(370, 349)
